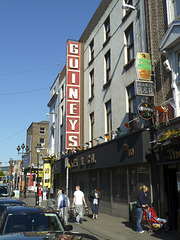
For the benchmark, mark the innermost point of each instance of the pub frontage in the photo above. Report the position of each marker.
(118, 167)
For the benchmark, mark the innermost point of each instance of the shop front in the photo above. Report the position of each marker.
(118, 167)
(167, 159)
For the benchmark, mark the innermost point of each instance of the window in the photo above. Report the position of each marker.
(92, 126)
(91, 75)
(108, 118)
(178, 65)
(132, 106)
(91, 51)
(62, 92)
(61, 116)
(107, 67)
(42, 130)
(42, 141)
(129, 43)
(107, 29)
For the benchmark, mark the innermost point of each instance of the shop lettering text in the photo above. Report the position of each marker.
(73, 95)
(174, 154)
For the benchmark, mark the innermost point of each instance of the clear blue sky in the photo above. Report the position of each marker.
(33, 35)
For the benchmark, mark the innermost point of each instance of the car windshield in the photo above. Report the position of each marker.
(4, 191)
(26, 222)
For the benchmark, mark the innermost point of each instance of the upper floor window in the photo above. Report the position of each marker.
(61, 116)
(91, 51)
(108, 118)
(128, 2)
(92, 126)
(107, 67)
(178, 66)
(132, 106)
(129, 43)
(107, 29)
(42, 130)
(62, 92)
(42, 141)
(91, 75)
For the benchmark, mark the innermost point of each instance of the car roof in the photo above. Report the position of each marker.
(10, 200)
(47, 235)
(4, 185)
(24, 209)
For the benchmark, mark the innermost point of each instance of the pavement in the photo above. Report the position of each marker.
(108, 227)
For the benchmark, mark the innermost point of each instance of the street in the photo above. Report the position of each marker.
(110, 228)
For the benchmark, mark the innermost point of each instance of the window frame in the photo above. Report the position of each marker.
(42, 130)
(91, 84)
(108, 107)
(129, 42)
(91, 51)
(107, 60)
(107, 29)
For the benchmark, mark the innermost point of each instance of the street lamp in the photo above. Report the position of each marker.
(22, 147)
(38, 148)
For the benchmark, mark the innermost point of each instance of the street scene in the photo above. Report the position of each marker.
(90, 138)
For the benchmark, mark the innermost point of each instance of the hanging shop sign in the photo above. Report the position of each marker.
(47, 175)
(144, 88)
(73, 95)
(145, 111)
(143, 66)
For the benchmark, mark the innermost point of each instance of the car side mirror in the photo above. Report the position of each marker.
(68, 227)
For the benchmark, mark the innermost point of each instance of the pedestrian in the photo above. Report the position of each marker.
(95, 198)
(62, 205)
(44, 193)
(78, 201)
(40, 194)
(142, 202)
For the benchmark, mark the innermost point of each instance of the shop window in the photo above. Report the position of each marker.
(119, 185)
(92, 180)
(104, 179)
(129, 43)
(138, 176)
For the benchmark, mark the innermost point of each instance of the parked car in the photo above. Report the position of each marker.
(30, 219)
(4, 190)
(50, 236)
(5, 202)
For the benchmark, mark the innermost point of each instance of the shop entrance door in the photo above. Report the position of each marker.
(172, 194)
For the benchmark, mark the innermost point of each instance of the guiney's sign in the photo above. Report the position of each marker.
(73, 94)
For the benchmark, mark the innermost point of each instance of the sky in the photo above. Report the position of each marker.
(33, 36)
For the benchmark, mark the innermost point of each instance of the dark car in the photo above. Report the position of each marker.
(5, 202)
(4, 190)
(30, 219)
(48, 236)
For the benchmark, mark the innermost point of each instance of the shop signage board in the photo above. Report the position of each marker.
(73, 95)
(144, 88)
(143, 66)
(145, 110)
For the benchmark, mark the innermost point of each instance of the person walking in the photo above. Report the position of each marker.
(44, 193)
(142, 202)
(62, 205)
(40, 193)
(78, 201)
(95, 198)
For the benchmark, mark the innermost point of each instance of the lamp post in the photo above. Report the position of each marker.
(38, 148)
(22, 147)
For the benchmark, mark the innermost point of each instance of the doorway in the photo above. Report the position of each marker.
(172, 195)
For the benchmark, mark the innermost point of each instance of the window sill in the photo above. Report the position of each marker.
(106, 85)
(90, 99)
(91, 61)
(129, 64)
(106, 42)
